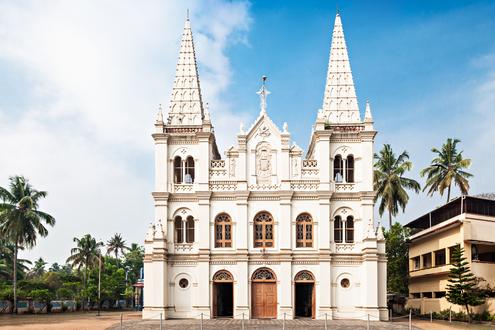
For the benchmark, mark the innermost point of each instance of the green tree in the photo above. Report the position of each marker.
(397, 258)
(116, 245)
(7, 260)
(38, 268)
(389, 181)
(133, 261)
(446, 167)
(463, 287)
(21, 221)
(85, 256)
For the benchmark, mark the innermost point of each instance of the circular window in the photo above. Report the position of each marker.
(345, 283)
(183, 283)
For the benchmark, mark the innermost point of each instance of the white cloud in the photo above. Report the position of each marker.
(94, 73)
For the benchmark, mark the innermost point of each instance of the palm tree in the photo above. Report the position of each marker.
(116, 245)
(446, 167)
(20, 219)
(85, 255)
(7, 261)
(38, 268)
(389, 183)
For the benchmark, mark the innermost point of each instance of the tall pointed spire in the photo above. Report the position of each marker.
(186, 105)
(340, 102)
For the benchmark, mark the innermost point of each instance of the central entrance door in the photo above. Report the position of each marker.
(304, 287)
(223, 294)
(264, 294)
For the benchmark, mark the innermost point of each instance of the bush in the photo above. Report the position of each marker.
(41, 295)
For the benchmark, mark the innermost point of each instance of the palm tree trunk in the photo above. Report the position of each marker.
(14, 310)
(448, 194)
(84, 286)
(390, 219)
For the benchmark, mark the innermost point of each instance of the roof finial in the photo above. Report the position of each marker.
(263, 93)
(187, 14)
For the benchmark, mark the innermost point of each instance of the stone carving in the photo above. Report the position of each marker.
(232, 167)
(263, 274)
(304, 275)
(264, 131)
(223, 276)
(263, 163)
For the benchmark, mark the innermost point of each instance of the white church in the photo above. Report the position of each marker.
(265, 231)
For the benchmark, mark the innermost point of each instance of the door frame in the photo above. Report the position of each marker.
(306, 277)
(221, 277)
(263, 275)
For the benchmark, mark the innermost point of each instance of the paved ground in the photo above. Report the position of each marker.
(230, 324)
(65, 321)
(132, 320)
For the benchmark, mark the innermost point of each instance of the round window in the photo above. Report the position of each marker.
(183, 283)
(345, 283)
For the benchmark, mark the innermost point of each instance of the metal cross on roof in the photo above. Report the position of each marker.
(263, 93)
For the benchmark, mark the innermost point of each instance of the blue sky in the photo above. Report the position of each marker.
(80, 83)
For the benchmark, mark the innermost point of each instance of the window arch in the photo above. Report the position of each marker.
(349, 229)
(190, 229)
(304, 230)
(338, 168)
(349, 175)
(264, 275)
(177, 169)
(337, 229)
(179, 230)
(223, 230)
(263, 230)
(189, 170)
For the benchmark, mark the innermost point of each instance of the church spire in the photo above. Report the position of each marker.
(340, 102)
(186, 105)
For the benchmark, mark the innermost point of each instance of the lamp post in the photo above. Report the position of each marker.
(99, 283)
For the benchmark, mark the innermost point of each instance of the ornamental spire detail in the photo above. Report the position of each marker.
(340, 102)
(186, 105)
(263, 93)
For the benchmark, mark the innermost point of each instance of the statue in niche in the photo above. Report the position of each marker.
(263, 163)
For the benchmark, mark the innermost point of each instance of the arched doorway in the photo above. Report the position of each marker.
(223, 294)
(304, 288)
(264, 294)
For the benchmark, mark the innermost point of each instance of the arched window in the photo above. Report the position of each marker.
(338, 168)
(189, 173)
(337, 229)
(179, 230)
(223, 230)
(349, 230)
(349, 176)
(190, 229)
(263, 230)
(177, 170)
(304, 230)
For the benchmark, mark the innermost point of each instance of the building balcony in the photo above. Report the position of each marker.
(183, 187)
(430, 271)
(345, 187)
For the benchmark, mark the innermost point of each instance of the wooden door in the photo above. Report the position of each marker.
(264, 300)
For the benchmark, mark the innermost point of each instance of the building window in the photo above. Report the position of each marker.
(223, 231)
(415, 263)
(189, 170)
(190, 229)
(349, 230)
(440, 257)
(451, 252)
(439, 294)
(304, 230)
(337, 229)
(263, 230)
(183, 283)
(426, 260)
(416, 295)
(427, 295)
(177, 170)
(345, 283)
(349, 172)
(179, 230)
(338, 169)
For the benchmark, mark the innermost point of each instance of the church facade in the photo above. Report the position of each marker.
(267, 231)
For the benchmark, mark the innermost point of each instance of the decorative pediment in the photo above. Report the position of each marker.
(263, 129)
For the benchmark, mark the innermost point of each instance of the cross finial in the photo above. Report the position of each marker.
(263, 93)
(187, 14)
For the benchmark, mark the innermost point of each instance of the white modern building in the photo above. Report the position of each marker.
(265, 230)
